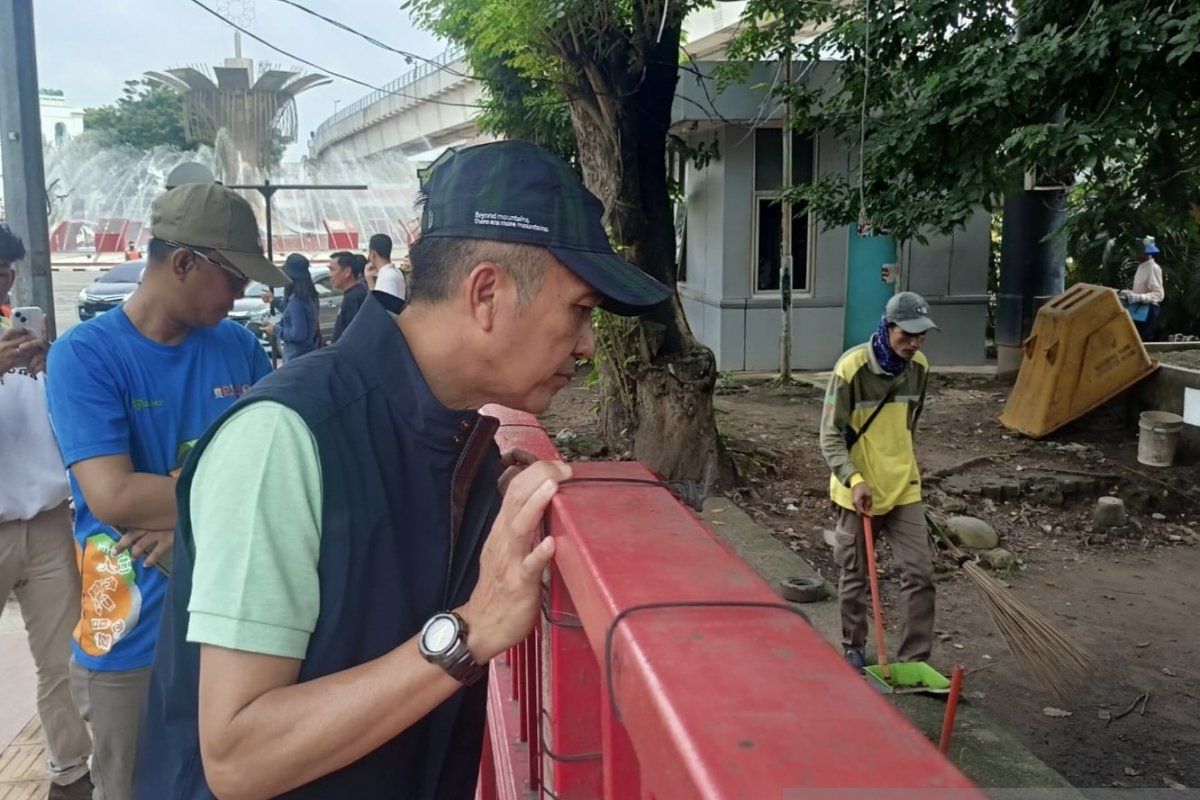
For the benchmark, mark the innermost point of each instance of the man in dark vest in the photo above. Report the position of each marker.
(346, 561)
(346, 275)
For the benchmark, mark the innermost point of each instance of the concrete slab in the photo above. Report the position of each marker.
(22, 748)
(989, 754)
(18, 699)
(21, 765)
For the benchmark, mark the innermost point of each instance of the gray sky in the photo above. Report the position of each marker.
(89, 48)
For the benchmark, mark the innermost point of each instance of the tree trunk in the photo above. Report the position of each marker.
(656, 379)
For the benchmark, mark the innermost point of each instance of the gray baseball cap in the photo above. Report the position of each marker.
(910, 311)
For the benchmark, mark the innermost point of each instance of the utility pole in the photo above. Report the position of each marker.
(785, 255)
(24, 174)
(268, 190)
(1032, 262)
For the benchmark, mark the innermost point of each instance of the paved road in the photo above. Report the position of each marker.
(66, 290)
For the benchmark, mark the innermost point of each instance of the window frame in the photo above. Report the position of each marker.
(810, 250)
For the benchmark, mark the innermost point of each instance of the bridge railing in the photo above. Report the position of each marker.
(426, 67)
(664, 667)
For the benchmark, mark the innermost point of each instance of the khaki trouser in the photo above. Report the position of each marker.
(112, 703)
(904, 528)
(37, 563)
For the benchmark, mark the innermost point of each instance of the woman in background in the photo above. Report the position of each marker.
(299, 329)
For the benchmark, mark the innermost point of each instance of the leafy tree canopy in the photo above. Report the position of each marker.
(594, 81)
(146, 115)
(957, 99)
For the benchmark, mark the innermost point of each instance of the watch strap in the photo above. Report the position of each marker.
(461, 665)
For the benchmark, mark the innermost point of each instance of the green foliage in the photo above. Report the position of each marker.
(146, 115)
(965, 96)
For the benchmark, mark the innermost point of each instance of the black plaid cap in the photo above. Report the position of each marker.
(514, 191)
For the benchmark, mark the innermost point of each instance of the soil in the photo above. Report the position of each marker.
(1129, 600)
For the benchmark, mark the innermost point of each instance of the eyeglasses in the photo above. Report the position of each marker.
(236, 279)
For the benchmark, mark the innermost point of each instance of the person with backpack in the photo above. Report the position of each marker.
(875, 397)
(299, 329)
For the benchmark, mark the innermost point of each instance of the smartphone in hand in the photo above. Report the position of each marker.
(32, 319)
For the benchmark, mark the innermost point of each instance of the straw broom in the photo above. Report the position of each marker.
(1052, 658)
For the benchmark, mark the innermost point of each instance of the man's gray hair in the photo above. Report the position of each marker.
(440, 264)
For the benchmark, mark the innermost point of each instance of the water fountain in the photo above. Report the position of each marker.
(100, 196)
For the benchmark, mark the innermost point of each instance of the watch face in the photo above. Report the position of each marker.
(441, 634)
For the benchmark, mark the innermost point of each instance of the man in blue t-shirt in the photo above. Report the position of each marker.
(129, 392)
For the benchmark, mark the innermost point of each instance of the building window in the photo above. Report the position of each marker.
(677, 168)
(768, 211)
(60, 134)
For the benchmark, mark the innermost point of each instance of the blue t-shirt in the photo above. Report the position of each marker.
(112, 391)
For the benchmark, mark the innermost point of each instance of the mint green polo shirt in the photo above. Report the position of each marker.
(256, 521)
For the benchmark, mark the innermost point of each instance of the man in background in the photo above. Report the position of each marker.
(37, 553)
(346, 275)
(1147, 290)
(129, 393)
(390, 279)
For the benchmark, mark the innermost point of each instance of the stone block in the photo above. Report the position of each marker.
(1046, 494)
(1109, 513)
(972, 532)
(998, 559)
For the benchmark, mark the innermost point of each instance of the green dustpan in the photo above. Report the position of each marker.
(910, 678)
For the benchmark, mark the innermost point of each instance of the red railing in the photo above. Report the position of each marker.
(664, 667)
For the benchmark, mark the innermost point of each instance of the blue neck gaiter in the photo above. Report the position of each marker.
(891, 363)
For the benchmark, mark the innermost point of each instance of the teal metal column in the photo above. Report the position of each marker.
(866, 293)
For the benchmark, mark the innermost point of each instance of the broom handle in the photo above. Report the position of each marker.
(876, 603)
(956, 679)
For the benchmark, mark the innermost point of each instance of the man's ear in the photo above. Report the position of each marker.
(181, 262)
(483, 293)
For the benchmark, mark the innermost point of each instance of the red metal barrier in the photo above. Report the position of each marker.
(110, 235)
(343, 235)
(68, 236)
(665, 667)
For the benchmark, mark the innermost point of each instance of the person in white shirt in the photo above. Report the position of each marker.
(1147, 288)
(37, 548)
(389, 277)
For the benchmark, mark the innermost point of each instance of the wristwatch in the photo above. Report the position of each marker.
(443, 641)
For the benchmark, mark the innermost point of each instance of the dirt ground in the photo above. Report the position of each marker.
(1130, 600)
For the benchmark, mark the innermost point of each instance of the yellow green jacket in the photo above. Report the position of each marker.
(883, 457)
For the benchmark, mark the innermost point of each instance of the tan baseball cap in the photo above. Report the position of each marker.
(209, 215)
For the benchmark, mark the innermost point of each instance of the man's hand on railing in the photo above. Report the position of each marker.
(512, 463)
(506, 599)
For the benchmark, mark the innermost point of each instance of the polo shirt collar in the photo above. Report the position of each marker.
(375, 344)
